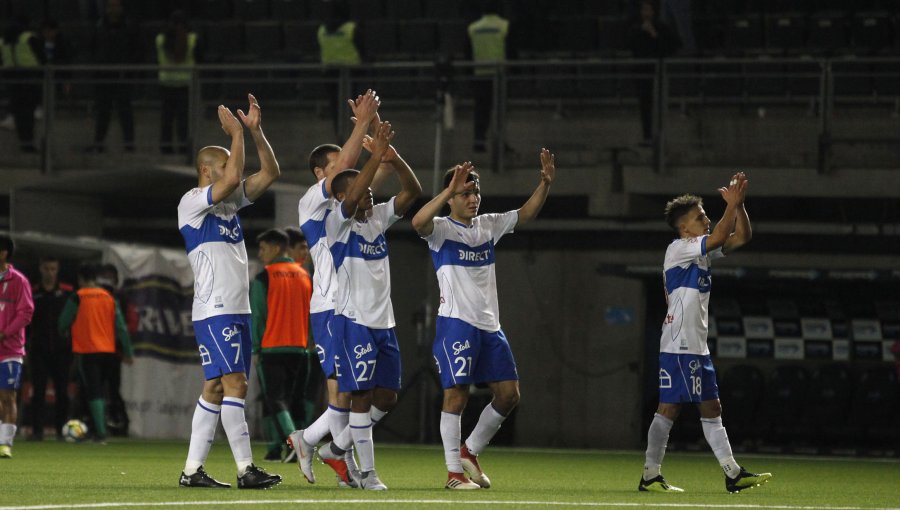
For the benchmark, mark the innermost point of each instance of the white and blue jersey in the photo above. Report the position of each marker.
(215, 246)
(360, 254)
(688, 282)
(314, 207)
(463, 257)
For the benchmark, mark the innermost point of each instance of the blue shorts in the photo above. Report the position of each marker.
(10, 375)
(321, 330)
(367, 357)
(225, 344)
(465, 354)
(686, 378)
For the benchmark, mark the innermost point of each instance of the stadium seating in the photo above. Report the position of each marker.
(263, 41)
(741, 389)
(288, 9)
(251, 10)
(786, 396)
(875, 408)
(829, 394)
(300, 41)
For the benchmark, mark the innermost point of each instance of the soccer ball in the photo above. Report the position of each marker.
(74, 431)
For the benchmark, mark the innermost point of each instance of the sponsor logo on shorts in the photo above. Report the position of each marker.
(459, 347)
(361, 351)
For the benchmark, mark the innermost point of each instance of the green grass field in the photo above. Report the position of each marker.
(144, 474)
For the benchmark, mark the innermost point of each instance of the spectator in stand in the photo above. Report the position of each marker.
(49, 353)
(116, 42)
(55, 51)
(677, 13)
(339, 45)
(177, 46)
(651, 39)
(20, 50)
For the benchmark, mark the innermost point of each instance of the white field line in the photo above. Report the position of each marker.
(391, 502)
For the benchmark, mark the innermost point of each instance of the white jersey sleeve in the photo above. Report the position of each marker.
(214, 242)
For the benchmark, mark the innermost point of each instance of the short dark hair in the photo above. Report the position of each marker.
(274, 236)
(295, 236)
(87, 271)
(48, 258)
(678, 207)
(7, 245)
(109, 272)
(319, 156)
(448, 176)
(341, 181)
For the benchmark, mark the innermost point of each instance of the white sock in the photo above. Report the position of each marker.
(361, 430)
(657, 439)
(318, 429)
(488, 424)
(451, 435)
(718, 441)
(203, 431)
(7, 433)
(376, 414)
(235, 424)
(344, 440)
(338, 420)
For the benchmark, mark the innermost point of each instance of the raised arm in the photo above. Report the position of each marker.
(723, 230)
(258, 183)
(410, 189)
(234, 167)
(742, 230)
(533, 206)
(365, 109)
(360, 186)
(423, 221)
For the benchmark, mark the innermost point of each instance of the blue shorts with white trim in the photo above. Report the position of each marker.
(225, 344)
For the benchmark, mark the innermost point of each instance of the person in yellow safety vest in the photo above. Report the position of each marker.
(21, 50)
(95, 322)
(487, 37)
(177, 46)
(339, 44)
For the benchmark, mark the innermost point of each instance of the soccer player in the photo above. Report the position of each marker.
(367, 360)
(469, 345)
(94, 319)
(279, 305)
(208, 221)
(686, 373)
(325, 161)
(16, 309)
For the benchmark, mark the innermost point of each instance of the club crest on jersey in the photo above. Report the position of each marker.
(703, 281)
(232, 233)
(459, 347)
(361, 351)
(694, 365)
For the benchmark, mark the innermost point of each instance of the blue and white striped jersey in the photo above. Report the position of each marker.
(314, 207)
(360, 253)
(688, 281)
(215, 246)
(463, 257)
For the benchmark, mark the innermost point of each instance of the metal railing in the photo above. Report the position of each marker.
(821, 85)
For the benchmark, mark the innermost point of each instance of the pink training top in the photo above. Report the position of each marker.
(16, 309)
